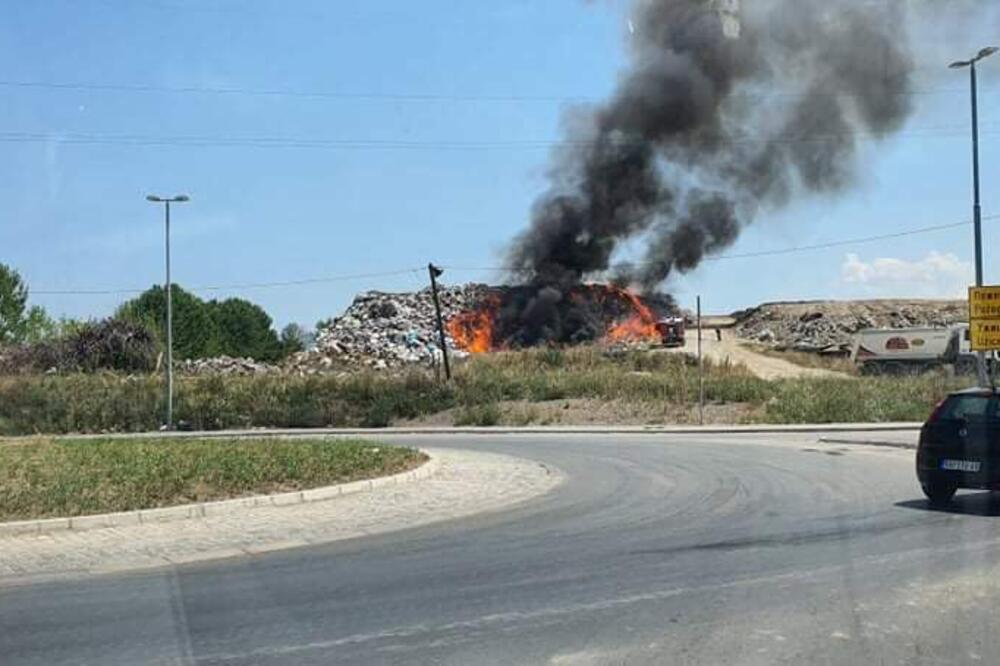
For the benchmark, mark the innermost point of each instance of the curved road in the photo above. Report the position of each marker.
(751, 549)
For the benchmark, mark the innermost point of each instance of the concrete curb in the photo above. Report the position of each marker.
(546, 430)
(870, 442)
(211, 509)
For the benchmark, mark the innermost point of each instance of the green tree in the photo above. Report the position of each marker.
(233, 327)
(294, 338)
(14, 314)
(244, 329)
(195, 333)
(39, 326)
(67, 326)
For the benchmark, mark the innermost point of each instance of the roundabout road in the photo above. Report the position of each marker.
(739, 549)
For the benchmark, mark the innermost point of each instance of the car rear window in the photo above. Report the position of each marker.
(969, 408)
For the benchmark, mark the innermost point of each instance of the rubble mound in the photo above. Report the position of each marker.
(225, 365)
(823, 325)
(386, 330)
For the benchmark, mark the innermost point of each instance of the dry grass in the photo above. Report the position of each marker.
(635, 385)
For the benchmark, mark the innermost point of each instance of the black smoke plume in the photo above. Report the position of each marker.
(724, 111)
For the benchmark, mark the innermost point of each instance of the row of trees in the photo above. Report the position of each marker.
(202, 329)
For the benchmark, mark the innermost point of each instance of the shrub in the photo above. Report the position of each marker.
(111, 344)
(488, 414)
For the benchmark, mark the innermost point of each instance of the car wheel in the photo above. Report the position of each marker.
(965, 367)
(871, 369)
(939, 492)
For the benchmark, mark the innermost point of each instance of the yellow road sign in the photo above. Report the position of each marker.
(984, 334)
(984, 303)
(984, 318)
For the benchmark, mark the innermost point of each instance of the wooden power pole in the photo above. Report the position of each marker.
(435, 273)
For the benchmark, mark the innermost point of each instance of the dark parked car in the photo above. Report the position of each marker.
(960, 445)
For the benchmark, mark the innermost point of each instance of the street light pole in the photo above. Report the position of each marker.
(977, 211)
(170, 324)
(170, 305)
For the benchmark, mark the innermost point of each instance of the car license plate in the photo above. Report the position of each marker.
(960, 465)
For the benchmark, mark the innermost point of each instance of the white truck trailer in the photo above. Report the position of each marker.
(901, 351)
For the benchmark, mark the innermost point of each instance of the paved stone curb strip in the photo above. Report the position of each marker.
(221, 508)
(531, 430)
(461, 483)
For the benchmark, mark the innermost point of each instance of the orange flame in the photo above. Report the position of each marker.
(472, 331)
(639, 326)
(475, 330)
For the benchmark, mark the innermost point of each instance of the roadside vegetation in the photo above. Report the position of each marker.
(203, 329)
(133, 340)
(517, 388)
(44, 477)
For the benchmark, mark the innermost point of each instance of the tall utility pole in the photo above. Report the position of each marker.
(977, 214)
(166, 201)
(435, 273)
(701, 373)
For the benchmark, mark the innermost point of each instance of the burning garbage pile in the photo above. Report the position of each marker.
(525, 316)
(382, 330)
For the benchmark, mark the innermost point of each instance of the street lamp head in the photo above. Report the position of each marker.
(153, 198)
(987, 52)
(960, 64)
(181, 198)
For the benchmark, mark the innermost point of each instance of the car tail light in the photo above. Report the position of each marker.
(936, 414)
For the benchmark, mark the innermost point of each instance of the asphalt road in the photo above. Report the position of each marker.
(750, 549)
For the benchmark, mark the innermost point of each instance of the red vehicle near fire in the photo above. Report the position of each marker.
(671, 331)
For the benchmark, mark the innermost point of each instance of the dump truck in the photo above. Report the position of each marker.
(903, 351)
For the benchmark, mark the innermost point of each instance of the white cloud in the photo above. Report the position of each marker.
(938, 275)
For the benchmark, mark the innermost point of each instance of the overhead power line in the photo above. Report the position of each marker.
(272, 142)
(305, 93)
(841, 243)
(233, 287)
(419, 271)
(780, 251)
(290, 92)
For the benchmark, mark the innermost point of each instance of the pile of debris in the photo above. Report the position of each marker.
(108, 345)
(823, 326)
(225, 365)
(383, 330)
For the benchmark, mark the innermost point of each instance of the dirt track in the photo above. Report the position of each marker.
(731, 348)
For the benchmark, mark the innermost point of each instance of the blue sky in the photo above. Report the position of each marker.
(492, 74)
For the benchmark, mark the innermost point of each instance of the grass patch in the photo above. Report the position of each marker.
(42, 478)
(488, 414)
(868, 400)
(481, 392)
